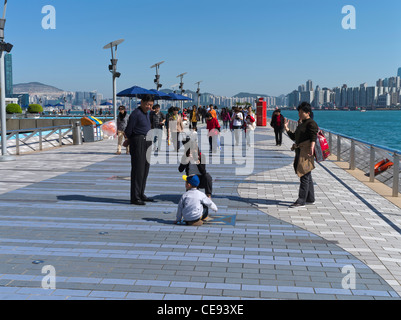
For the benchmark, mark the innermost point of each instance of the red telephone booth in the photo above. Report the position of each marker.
(261, 113)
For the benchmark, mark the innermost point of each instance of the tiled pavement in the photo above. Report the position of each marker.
(69, 208)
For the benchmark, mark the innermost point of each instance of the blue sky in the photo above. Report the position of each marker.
(258, 46)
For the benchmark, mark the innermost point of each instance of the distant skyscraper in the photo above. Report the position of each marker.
(309, 85)
(8, 72)
(399, 72)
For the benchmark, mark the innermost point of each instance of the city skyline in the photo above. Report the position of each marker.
(265, 47)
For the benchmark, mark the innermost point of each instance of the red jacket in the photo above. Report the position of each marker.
(213, 124)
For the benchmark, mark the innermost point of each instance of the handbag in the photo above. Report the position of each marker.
(322, 148)
(126, 143)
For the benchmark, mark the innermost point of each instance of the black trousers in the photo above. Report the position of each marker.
(306, 189)
(139, 166)
(206, 182)
(278, 132)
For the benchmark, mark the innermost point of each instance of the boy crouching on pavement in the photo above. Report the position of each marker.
(194, 205)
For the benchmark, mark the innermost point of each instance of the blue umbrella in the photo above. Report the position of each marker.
(49, 105)
(134, 92)
(159, 95)
(106, 104)
(59, 105)
(178, 97)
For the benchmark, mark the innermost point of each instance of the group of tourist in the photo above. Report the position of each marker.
(194, 205)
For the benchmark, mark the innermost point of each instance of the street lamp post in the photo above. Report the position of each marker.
(4, 47)
(198, 91)
(113, 69)
(157, 79)
(181, 76)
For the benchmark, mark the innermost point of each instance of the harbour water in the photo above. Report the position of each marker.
(377, 127)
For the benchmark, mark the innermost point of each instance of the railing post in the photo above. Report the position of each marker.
(17, 151)
(59, 138)
(338, 148)
(396, 175)
(372, 164)
(40, 140)
(331, 142)
(352, 155)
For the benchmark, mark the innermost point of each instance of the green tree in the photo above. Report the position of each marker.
(13, 108)
(35, 108)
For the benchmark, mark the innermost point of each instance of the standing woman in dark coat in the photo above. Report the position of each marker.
(305, 139)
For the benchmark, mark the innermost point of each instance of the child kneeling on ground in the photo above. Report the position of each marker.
(194, 205)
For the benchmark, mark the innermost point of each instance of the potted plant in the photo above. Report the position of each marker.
(12, 110)
(34, 111)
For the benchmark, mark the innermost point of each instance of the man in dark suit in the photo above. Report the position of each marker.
(136, 131)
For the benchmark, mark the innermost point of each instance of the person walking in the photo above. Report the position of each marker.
(212, 111)
(176, 126)
(250, 125)
(226, 118)
(194, 118)
(157, 122)
(137, 129)
(122, 121)
(237, 122)
(213, 127)
(305, 139)
(277, 123)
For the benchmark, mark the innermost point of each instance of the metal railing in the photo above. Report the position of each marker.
(25, 137)
(364, 156)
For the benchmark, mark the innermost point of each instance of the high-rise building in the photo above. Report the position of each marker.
(350, 97)
(399, 72)
(371, 96)
(344, 96)
(309, 85)
(356, 97)
(8, 72)
(307, 96)
(337, 97)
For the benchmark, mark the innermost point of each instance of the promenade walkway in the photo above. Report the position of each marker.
(69, 208)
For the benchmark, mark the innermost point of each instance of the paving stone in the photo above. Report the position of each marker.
(58, 211)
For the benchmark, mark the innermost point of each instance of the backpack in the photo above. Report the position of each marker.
(322, 148)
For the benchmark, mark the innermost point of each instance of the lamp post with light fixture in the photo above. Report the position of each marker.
(181, 76)
(157, 79)
(4, 47)
(113, 69)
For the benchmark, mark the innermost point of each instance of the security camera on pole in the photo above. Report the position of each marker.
(113, 69)
(4, 47)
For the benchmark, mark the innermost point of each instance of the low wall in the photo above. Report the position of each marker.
(21, 124)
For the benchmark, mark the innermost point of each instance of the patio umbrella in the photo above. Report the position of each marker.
(159, 95)
(59, 105)
(135, 92)
(107, 103)
(179, 97)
